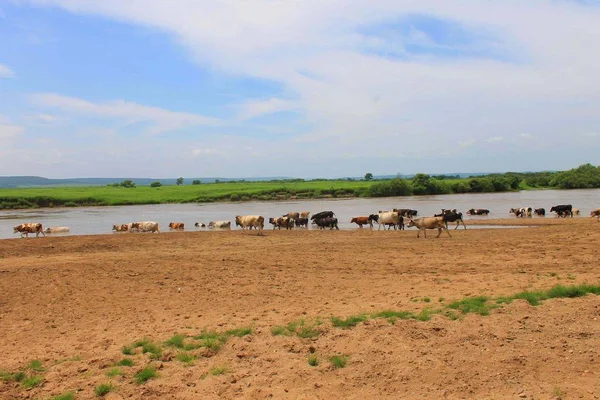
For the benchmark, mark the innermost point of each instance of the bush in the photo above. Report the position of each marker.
(234, 197)
(196, 182)
(156, 184)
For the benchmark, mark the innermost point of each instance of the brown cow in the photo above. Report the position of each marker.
(360, 221)
(176, 225)
(27, 228)
(305, 214)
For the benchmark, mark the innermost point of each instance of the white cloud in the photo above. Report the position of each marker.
(528, 68)
(467, 143)
(6, 72)
(256, 108)
(495, 139)
(10, 131)
(161, 120)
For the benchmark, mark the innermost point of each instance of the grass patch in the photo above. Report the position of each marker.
(349, 322)
(128, 350)
(478, 305)
(218, 370)
(115, 371)
(313, 361)
(103, 389)
(32, 381)
(279, 330)
(558, 291)
(338, 361)
(186, 357)
(149, 347)
(211, 340)
(35, 365)
(145, 375)
(176, 341)
(239, 332)
(301, 328)
(126, 362)
(388, 314)
(65, 396)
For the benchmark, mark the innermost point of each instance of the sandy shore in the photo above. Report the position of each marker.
(74, 302)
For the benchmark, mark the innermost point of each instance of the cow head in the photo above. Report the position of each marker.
(410, 223)
(374, 217)
(16, 229)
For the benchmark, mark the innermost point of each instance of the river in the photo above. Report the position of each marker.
(99, 220)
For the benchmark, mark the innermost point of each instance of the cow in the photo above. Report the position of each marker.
(575, 211)
(176, 225)
(528, 212)
(406, 212)
(304, 214)
(595, 213)
(122, 227)
(562, 210)
(425, 223)
(145, 226)
(220, 224)
(452, 217)
(27, 228)
(540, 212)
(57, 229)
(286, 222)
(292, 215)
(247, 221)
(360, 221)
(327, 222)
(478, 211)
(390, 217)
(302, 221)
(449, 211)
(200, 225)
(322, 214)
(519, 212)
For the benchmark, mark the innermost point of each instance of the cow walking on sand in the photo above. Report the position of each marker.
(27, 228)
(425, 223)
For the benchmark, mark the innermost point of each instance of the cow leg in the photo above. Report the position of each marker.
(448, 232)
(336, 227)
(463, 222)
(440, 232)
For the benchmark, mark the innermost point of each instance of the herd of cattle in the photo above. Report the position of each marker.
(327, 219)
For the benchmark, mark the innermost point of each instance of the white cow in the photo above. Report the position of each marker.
(248, 221)
(220, 224)
(388, 217)
(145, 226)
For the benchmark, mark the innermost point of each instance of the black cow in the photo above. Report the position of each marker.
(302, 222)
(452, 217)
(322, 214)
(563, 210)
(478, 211)
(540, 212)
(328, 222)
(406, 212)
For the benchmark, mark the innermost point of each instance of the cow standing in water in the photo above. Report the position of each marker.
(248, 221)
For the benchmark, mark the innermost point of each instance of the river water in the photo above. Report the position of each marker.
(99, 220)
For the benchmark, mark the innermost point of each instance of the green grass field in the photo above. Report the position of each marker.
(108, 195)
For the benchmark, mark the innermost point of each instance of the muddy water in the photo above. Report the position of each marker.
(99, 220)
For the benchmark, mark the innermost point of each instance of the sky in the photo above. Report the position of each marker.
(311, 88)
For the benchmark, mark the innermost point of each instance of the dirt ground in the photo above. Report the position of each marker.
(74, 302)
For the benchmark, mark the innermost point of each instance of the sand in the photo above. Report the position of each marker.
(74, 302)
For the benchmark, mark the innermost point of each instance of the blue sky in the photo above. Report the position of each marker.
(322, 88)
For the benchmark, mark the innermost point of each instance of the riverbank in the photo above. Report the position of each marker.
(262, 308)
(24, 198)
